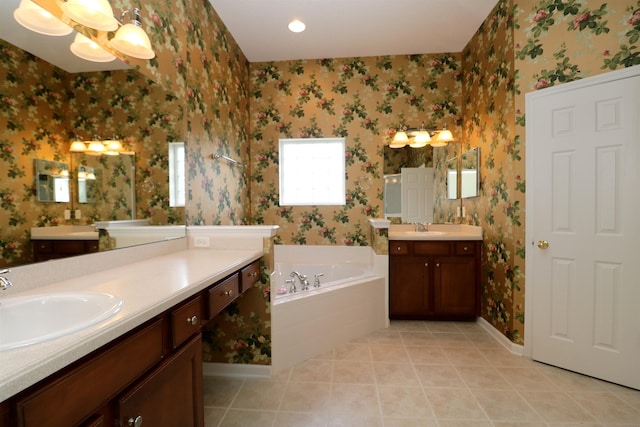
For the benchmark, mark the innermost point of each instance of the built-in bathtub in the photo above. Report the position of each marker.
(349, 303)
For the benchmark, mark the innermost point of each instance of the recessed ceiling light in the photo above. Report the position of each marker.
(297, 26)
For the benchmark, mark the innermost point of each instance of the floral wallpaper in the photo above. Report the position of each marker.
(44, 108)
(362, 99)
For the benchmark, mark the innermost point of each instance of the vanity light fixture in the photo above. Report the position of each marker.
(85, 48)
(421, 137)
(131, 39)
(96, 14)
(296, 26)
(36, 18)
(110, 147)
(78, 146)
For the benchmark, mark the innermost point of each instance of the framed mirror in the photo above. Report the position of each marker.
(470, 173)
(52, 181)
(452, 178)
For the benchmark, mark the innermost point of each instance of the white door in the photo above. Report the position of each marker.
(417, 194)
(583, 227)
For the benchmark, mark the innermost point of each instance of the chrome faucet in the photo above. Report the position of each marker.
(4, 282)
(304, 283)
(316, 280)
(422, 226)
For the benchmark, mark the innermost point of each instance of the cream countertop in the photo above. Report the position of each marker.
(147, 287)
(443, 232)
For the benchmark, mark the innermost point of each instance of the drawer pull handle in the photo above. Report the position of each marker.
(228, 293)
(399, 248)
(437, 264)
(426, 264)
(254, 274)
(193, 320)
(465, 249)
(135, 422)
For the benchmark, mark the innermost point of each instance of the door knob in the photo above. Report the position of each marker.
(543, 244)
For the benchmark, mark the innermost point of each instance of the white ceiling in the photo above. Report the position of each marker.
(335, 29)
(349, 28)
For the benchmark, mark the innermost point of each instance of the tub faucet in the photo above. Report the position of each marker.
(4, 282)
(316, 280)
(304, 283)
(291, 282)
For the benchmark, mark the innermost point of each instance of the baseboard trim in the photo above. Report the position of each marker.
(236, 370)
(514, 348)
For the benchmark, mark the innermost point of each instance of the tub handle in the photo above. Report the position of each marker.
(316, 279)
(291, 282)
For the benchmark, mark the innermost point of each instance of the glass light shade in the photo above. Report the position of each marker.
(82, 174)
(78, 147)
(133, 41)
(91, 176)
(35, 18)
(400, 137)
(85, 48)
(445, 135)
(421, 139)
(296, 26)
(114, 145)
(96, 14)
(97, 147)
(395, 144)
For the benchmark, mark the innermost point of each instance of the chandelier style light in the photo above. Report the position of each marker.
(35, 18)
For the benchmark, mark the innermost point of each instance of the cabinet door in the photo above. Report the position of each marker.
(169, 396)
(409, 287)
(455, 286)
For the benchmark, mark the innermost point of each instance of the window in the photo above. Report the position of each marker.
(177, 174)
(312, 171)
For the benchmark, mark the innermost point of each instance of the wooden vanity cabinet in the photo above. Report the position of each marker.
(151, 376)
(437, 280)
(44, 250)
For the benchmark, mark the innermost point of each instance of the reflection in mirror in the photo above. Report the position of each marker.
(452, 178)
(52, 181)
(470, 173)
(393, 195)
(89, 184)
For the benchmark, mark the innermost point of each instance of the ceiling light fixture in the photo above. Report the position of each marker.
(421, 137)
(297, 26)
(85, 48)
(35, 18)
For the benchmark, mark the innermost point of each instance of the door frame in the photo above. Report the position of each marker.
(530, 232)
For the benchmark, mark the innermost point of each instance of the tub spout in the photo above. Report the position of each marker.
(304, 283)
(316, 280)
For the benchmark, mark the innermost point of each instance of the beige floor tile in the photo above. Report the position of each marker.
(424, 339)
(404, 402)
(484, 341)
(527, 424)
(447, 339)
(213, 416)
(385, 337)
(262, 395)
(358, 400)
(438, 326)
(500, 357)
(347, 420)
(353, 351)
(482, 377)
(557, 407)
(529, 379)
(506, 406)
(220, 391)
(347, 371)
(463, 356)
(607, 407)
(409, 422)
(400, 374)
(297, 419)
(439, 376)
(454, 404)
(245, 418)
(567, 381)
(408, 325)
(463, 423)
(313, 370)
(306, 397)
(389, 353)
(427, 355)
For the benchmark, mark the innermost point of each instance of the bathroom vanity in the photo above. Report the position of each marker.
(63, 241)
(141, 367)
(435, 274)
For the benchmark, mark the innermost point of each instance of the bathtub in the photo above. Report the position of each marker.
(348, 304)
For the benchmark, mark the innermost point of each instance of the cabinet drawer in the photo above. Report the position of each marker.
(91, 246)
(465, 248)
(185, 321)
(222, 294)
(398, 247)
(42, 246)
(432, 248)
(249, 276)
(69, 399)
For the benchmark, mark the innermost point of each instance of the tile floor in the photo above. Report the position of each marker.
(420, 374)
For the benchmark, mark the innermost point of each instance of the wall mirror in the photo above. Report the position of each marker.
(396, 159)
(452, 178)
(52, 181)
(470, 173)
(117, 193)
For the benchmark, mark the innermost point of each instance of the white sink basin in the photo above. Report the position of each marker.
(417, 233)
(33, 319)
